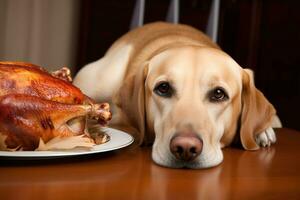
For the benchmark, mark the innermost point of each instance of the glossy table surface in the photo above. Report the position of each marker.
(271, 173)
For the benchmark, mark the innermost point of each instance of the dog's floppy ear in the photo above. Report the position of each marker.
(131, 101)
(257, 112)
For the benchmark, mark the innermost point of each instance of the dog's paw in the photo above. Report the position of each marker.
(266, 138)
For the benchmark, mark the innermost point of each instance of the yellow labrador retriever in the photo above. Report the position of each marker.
(171, 85)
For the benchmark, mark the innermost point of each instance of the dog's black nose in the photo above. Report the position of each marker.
(186, 147)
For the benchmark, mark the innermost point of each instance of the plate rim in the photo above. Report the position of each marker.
(68, 153)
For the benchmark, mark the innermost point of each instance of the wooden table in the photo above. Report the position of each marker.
(271, 173)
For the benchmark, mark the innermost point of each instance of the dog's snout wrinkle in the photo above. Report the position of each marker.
(186, 147)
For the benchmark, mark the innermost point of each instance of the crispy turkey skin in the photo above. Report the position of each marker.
(38, 108)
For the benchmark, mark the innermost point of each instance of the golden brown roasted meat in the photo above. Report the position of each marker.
(44, 111)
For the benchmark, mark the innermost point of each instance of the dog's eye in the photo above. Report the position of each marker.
(218, 94)
(163, 89)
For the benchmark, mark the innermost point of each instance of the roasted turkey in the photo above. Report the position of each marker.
(42, 111)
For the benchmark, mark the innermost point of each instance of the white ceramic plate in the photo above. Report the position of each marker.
(118, 140)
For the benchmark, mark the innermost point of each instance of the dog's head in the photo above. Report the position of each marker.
(192, 101)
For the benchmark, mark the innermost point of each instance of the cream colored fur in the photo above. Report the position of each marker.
(128, 73)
